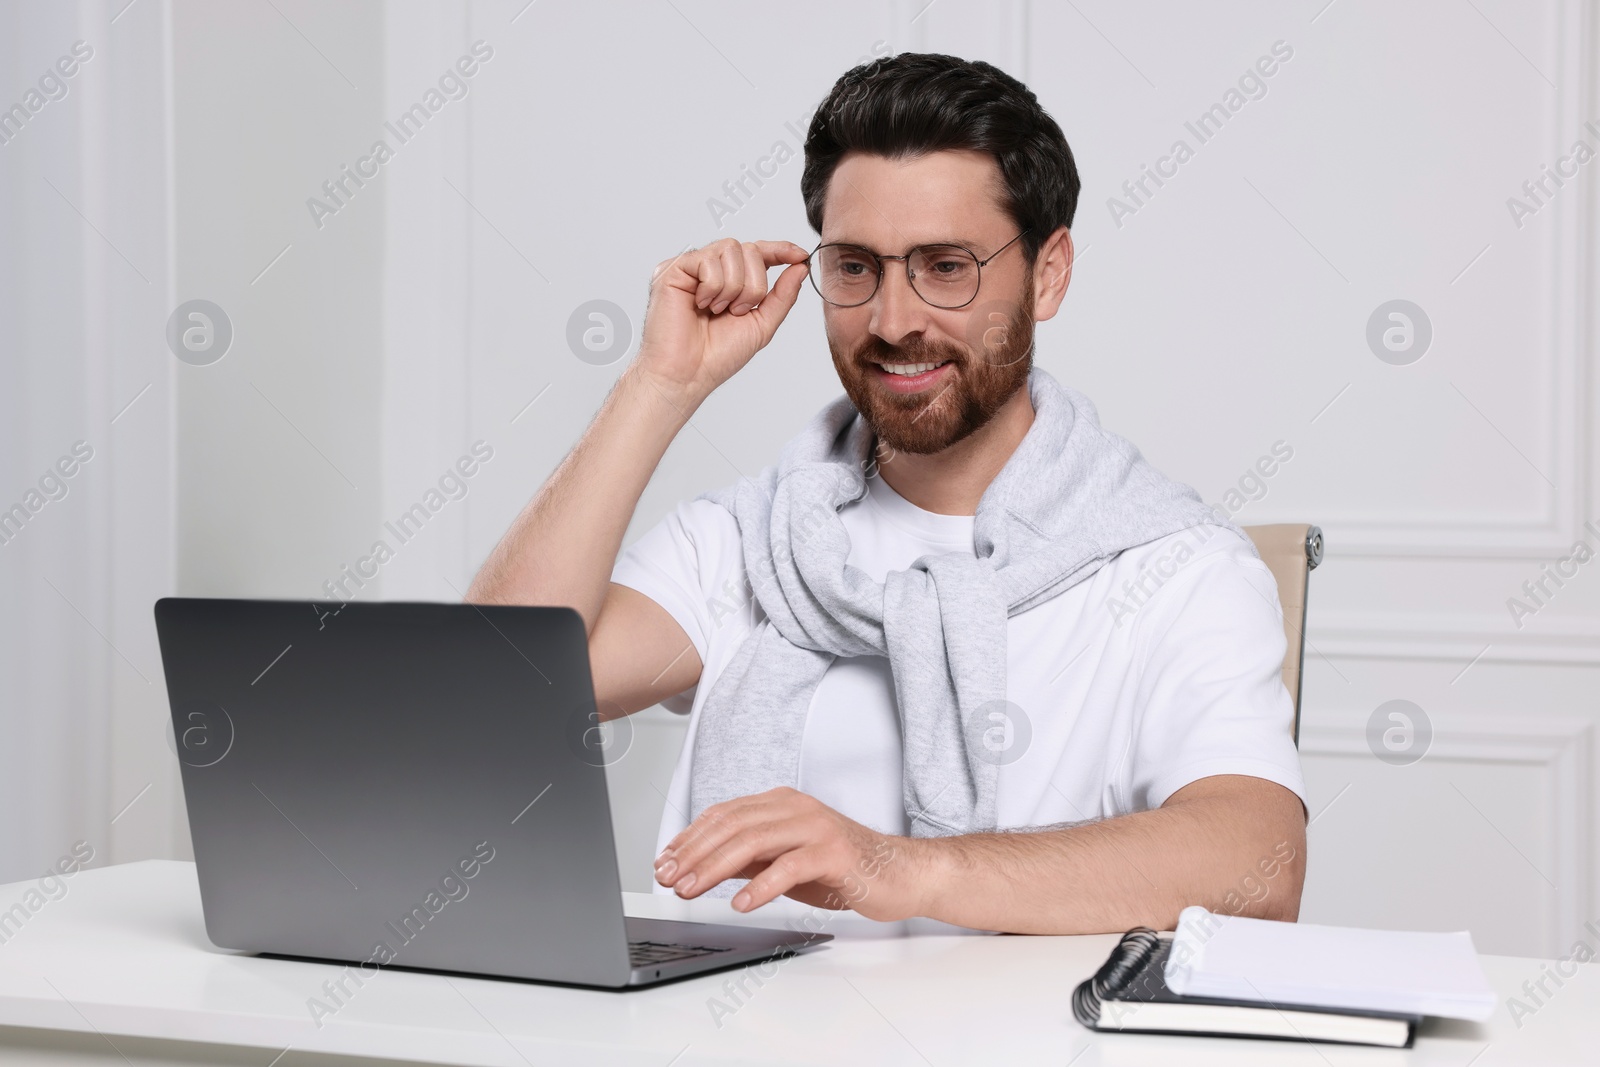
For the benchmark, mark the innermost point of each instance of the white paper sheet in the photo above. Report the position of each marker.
(1328, 966)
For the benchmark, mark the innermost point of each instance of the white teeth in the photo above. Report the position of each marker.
(909, 368)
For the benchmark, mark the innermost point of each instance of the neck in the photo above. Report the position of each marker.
(952, 480)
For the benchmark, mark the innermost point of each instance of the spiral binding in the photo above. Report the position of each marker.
(1125, 961)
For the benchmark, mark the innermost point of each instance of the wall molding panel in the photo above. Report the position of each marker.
(1560, 747)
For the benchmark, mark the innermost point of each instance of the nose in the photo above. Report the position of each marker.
(897, 310)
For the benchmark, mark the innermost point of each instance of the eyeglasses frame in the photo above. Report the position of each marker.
(910, 278)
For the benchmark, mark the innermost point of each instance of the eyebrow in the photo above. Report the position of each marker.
(964, 241)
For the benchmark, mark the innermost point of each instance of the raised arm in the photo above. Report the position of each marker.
(710, 312)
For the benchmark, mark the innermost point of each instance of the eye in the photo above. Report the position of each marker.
(854, 264)
(945, 264)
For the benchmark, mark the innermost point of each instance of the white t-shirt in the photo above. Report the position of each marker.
(1162, 668)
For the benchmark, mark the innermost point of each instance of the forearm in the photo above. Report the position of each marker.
(710, 310)
(1139, 869)
(562, 547)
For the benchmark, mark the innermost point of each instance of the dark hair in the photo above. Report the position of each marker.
(914, 103)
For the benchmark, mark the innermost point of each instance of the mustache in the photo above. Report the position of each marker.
(921, 350)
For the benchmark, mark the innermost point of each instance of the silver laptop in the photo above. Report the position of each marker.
(413, 785)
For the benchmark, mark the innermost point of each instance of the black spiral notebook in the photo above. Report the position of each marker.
(1129, 994)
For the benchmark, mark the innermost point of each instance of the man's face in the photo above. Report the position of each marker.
(985, 349)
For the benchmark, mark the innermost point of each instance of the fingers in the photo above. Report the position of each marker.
(783, 842)
(755, 272)
(730, 813)
(783, 874)
(776, 307)
(732, 276)
(709, 275)
(746, 850)
(709, 840)
(710, 832)
(775, 252)
(734, 280)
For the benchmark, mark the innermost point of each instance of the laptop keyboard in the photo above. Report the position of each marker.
(644, 953)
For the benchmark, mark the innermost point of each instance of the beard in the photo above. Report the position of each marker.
(986, 373)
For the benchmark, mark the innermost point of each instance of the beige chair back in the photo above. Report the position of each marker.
(1290, 550)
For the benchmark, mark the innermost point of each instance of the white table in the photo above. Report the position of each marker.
(119, 970)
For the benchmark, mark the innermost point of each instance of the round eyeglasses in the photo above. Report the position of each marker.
(945, 275)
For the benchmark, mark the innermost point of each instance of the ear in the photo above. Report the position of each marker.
(1052, 273)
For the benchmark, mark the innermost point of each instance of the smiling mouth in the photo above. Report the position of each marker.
(909, 370)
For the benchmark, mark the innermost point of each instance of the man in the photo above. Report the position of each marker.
(908, 692)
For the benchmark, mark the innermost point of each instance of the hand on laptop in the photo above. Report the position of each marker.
(711, 310)
(791, 844)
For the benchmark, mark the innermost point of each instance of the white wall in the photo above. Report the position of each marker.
(85, 289)
(1223, 315)
(279, 457)
(1226, 313)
